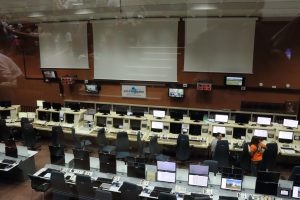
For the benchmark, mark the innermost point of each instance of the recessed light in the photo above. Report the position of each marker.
(36, 14)
(84, 11)
(204, 7)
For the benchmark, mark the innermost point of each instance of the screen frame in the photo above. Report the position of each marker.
(98, 88)
(171, 96)
(228, 85)
(231, 189)
(198, 176)
(49, 79)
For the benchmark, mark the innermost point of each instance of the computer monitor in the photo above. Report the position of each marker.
(264, 120)
(75, 106)
(197, 115)
(101, 121)
(221, 118)
(92, 88)
(88, 117)
(296, 192)
(260, 133)
(177, 115)
(159, 113)
(195, 129)
(136, 169)
(166, 166)
(81, 159)
(118, 122)
(69, 118)
(135, 124)
(49, 75)
(242, 118)
(234, 81)
(137, 112)
(175, 128)
(268, 176)
(176, 92)
(46, 105)
(285, 136)
(55, 116)
(199, 169)
(231, 184)
(108, 163)
(11, 149)
(44, 116)
(267, 188)
(121, 110)
(22, 115)
(104, 109)
(165, 176)
(157, 126)
(56, 106)
(290, 123)
(238, 133)
(4, 114)
(219, 129)
(5, 104)
(198, 180)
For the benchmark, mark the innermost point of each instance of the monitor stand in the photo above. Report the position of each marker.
(196, 120)
(290, 128)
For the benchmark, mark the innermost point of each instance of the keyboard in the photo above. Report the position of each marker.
(287, 148)
(97, 183)
(155, 192)
(7, 161)
(4, 166)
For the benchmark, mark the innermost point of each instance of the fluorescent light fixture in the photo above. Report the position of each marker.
(204, 7)
(84, 12)
(36, 14)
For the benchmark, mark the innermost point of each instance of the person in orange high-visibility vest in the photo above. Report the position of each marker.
(256, 150)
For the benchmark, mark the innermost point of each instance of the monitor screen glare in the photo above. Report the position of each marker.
(89, 118)
(197, 180)
(286, 135)
(169, 177)
(290, 123)
(157, 125)
(261, 133)
(166, 166)
(264, 120)
(221, 118)
(231, 184)
(199, 169)
(159, 113)
(219, 129)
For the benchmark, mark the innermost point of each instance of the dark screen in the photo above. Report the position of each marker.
(177, 115)
(5, 104)
(75, 106)
(55, 116)
(56, 106)
(69, 118)
(175, 128)
(44, 116)
(242, 118)
(239, 132)
(197, 115)
(195, 129)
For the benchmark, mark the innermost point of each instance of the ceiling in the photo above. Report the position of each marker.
(64, 10)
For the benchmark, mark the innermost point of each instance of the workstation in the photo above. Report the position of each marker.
(120, 99)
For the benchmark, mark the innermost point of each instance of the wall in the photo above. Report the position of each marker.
(270, 67)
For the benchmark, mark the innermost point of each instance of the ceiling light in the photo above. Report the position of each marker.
(204, 7)
(36, 14)
(84, 11)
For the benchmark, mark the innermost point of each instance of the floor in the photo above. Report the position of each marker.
(22, 191)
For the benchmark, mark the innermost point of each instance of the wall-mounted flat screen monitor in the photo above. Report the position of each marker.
(296, 192)
(260, 133)
(221, 118)
(264, 120)
(219, 129)
(157, 126)
(285, 136)
(159, 113)
(175, 128)
(49, 75)
(242, 118)
(176, 92)
(231, 184)
(234, 81)
(92, 88)
(290, 123)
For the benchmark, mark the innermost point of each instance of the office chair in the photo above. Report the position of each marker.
(213, 165)
(122, 145)
(29, 136)
(222, 153)
(166, 196)
(84, 187)
(103, 143)
(183, 148)
(245, 159)
(103, 195)
(81, 159)
(60, 189)
(77, 143)
(130, 191)
(295, 172)
(39, 184)
(269, 157)
(57, 136)
(154, 150)
(4, 131)
(57, 155)
(24, 121)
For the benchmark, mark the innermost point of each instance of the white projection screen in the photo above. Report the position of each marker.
(136, 49)
(63, 45)
(219, 45)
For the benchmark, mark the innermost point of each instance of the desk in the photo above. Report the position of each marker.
(10, 112)
(25, 163)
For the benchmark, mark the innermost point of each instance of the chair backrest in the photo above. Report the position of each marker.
(76, 141)
(24, 121)
(166, 196)
(101, 137)
(154, 147)
(222, 153)
(140, 146)
(103, 195)
(130, 191)
(57, 155)
(295, 172)
(29, 135)
(269, 156)
(84, 186)
(213, 165)
(245, 159)
(183, 147)
(4, 131)
(57, 181)
(39, 184)
(81, 159)
(57, 136)
(122, 142)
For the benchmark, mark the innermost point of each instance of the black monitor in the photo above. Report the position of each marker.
(69, 118)
(175, 128)
(75, 106)
(197, 115)
(238, 133)
(56, 106)
(138, 112)
(101, 121)
(55, 116)
(135, 124)
(107, 163)
(46, 105)
(121, 110)
(242, 118)
(11, 148)
(176, 114)
(49, 75)
(268, 176)
(195, 129)
(136, 169)
(5, 104)
(81, 159)
(267, 188)
(118, 122)
(4, 114)
(44, 116)
(104, 109)
(92, 88)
